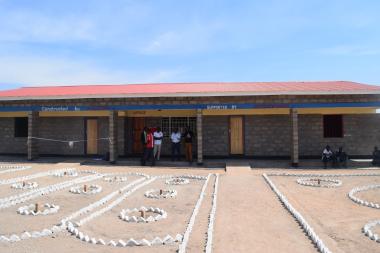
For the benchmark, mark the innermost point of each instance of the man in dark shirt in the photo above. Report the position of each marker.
(188, 137)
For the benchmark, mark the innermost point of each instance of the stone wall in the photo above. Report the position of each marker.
(215, 135)
(69, 128)
(361, 134)
(267, 135)
(9, 143)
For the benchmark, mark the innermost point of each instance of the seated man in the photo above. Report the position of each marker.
(327, 156)
(341, 157)
(376, 157)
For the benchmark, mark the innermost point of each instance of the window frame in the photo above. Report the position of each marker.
(331, 121)
(20, 127)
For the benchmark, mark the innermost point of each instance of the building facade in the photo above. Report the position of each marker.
(257, 120)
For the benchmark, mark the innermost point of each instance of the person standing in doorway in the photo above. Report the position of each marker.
(158, 136)
(148, 155)
(143, 140)
(188, 136)
(176, 144)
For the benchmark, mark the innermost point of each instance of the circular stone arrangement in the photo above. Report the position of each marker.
(117, 179)
(158, 214)
(352, 196)
(177, 181)
(367, 230)
(68, 173)
(34, 209)
(319, 182)
(160, 194)
(24, 185)
(92, 189)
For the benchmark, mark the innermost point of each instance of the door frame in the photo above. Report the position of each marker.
(85, 134)
(133, 133)
(242, 133)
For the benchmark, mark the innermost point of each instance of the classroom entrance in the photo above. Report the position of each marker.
(138, 124)
(92, 136)
(236, 135)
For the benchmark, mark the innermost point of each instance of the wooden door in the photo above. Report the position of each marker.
(92, 136)
(236, 135)
(138, 127)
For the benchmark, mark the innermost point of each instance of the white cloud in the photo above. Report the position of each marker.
(36, 71)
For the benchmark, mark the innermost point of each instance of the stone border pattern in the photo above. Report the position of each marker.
(210, 230)
(359, 201)
(154, 194)
(177, 181)
(29, 210)
(189, 228)
(27, 186)
(57, 229)
(92, 189)
(368, 231)
(161, 214)
(300, 219)
(309, 182)
(13, 168)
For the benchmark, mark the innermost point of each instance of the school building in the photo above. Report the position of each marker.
(245, 119)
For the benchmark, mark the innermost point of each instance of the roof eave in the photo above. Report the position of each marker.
(185, 94)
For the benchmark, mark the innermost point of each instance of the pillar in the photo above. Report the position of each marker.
(113, 120)
(294, 137)
(199, 137)
(32, 132)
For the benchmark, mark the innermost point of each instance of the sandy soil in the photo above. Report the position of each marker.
(249, 216)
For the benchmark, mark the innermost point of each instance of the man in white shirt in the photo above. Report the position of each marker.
(158, 136)
(176, 144)
(327, 155)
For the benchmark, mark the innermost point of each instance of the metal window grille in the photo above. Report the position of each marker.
(170, 123)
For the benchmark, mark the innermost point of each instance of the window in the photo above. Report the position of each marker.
(21, 127)
(332, 126)
(169, 124)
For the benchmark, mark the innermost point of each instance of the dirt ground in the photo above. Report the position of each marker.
(249, 217)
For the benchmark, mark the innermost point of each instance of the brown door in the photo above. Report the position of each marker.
(236, 135)
(92, 136)
(138, 127)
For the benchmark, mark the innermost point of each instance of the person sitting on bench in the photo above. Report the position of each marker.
(327, 156)
(341, 157)
(376, 157)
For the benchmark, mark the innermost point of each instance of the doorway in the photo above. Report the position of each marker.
(92, 136)
(138, 127)
(236, 135)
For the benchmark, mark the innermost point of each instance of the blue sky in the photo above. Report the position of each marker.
(95, 42)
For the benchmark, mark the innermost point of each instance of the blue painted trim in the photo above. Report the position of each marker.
(185, 107)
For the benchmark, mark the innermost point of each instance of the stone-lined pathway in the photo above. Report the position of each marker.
(251, 219)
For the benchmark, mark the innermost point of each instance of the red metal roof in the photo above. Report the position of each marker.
(190, 89)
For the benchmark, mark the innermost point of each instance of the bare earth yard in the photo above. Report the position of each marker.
(249, 216)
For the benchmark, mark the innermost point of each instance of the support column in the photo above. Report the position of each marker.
(113, 120)
(32, 132)
(294, 135)
(199, 137)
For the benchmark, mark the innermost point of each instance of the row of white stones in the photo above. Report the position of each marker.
(210, 229)
(322, 175)
(92, 189)
(315, 182)
(367, 230)
(301, 220)
(167, 240)
(56, 229)
(25, 178)
(115, 242)
(352, 196)
(116, 179)
(21, 198)
(161, 214)
(69, 172)
(155, 194)
(114, 203)
(189, 228)
(13, 168)
(187, 176)
(24, 185)
(30, 210)
(177, 181)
